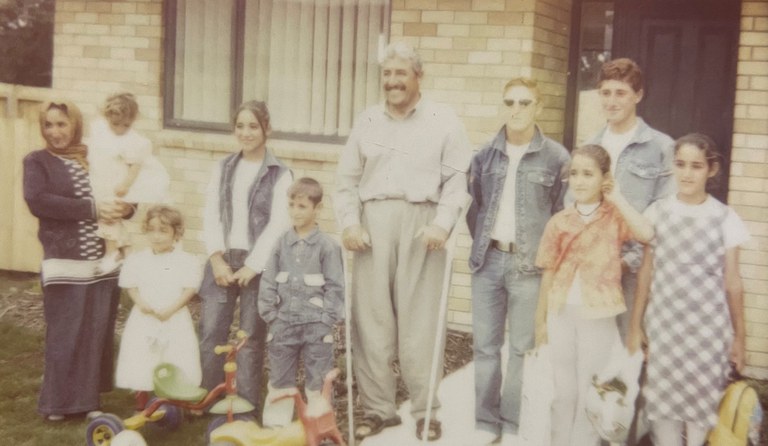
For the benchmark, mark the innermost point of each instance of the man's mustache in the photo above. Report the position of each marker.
(394, 87)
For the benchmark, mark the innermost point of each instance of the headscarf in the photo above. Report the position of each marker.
(76, 150)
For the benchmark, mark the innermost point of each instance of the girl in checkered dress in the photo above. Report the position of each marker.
(689, 305)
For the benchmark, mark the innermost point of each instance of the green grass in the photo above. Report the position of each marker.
(21, 368)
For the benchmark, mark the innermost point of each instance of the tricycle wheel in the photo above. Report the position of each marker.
(172, 418)
(218, 421)
(102, 429)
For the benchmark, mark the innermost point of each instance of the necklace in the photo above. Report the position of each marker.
(576, 205)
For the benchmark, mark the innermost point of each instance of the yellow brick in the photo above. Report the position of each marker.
(136, 42)
(758, 8)
(485, 57)
(753, 68)
(406, 16)
(488, 5)
(98, 7)
(419, 29)
(70, 7)
(505, 18)
(759, 83)
(469, 43)
(149, 31)
(424, 5)
(86, 17)
(450, 83)
(123, 8)
(760, 53)
(437, 16)
(96, 51)
(471, 18)
(442, 43)
(446, 30)
(745, 53)
(463, 305)
(761, 24)
(454, 5)
(756, 126)
(137, 19)
(149, 8)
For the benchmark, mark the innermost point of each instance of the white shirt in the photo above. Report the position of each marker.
(245, 172)
(279, 220)
(615, 143)
(504, 225)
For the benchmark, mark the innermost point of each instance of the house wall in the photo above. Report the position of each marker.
(471, 48)
(749, 175)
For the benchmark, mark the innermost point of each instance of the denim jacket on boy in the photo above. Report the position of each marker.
(539, 191)
(644, 175)
(303, 281)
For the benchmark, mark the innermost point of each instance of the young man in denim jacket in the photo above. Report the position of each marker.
(516, 185)
(641, 157)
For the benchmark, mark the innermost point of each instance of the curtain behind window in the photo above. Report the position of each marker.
(314, 62)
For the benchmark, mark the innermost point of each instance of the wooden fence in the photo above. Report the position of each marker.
(19, 134)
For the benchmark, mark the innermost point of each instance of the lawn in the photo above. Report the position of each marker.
(21, 368)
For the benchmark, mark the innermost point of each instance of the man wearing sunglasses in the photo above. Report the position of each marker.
(516, 184)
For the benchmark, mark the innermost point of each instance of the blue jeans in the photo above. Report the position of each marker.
(216, 314)
(500, 292)
(312, 341)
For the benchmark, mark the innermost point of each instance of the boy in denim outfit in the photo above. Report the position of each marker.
(301, 298)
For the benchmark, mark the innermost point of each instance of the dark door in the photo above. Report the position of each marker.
(688, 51)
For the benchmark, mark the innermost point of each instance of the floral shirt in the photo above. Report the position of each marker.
(594, 250)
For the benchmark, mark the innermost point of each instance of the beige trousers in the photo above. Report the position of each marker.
(396, 288)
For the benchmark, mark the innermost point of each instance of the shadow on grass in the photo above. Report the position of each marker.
(21, 369)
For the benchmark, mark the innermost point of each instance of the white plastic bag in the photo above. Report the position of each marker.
(537, 394)
(610, 399)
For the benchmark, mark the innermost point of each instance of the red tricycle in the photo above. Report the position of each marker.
(174, 393)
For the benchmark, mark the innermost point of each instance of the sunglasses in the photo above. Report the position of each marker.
(524, 103)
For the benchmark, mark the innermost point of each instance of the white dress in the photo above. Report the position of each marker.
(146, 341)
(109, 155)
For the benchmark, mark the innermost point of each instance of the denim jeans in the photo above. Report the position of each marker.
(216, 314)
(500, 292)
(313, 341)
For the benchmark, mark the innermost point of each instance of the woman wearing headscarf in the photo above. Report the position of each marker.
(79, 305)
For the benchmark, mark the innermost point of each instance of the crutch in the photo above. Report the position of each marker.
(450, 246)
(348, 346)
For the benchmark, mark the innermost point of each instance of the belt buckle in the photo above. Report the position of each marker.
(508, 247)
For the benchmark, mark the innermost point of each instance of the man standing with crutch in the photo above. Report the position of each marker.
(401, 185)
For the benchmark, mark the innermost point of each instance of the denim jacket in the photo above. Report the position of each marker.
(303, 280)
(644, 175)
(538, 195)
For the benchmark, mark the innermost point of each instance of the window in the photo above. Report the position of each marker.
(26, 42)
(315, 63)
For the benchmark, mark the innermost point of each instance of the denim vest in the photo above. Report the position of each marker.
(539, 193)
(259, 195)
(644, 175)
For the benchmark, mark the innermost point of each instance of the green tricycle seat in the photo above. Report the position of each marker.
(171, 383)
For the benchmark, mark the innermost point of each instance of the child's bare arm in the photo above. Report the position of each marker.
(734, 290)
(186, 295)
(636, 336)
(124, 186)
(641, 228)
(541, 308)
(139, 301)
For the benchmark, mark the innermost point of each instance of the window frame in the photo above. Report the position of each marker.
(237, 45)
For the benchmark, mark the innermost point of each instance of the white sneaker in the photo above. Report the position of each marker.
(480, 438)
(510, 440)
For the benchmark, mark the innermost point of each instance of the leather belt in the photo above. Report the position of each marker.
(504, 246)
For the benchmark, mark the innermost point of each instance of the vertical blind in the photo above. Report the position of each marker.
(315, 62)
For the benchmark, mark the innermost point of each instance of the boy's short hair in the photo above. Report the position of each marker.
(168, 215)
(306, 187)
(624, 70)
(121, 107)
(524, 82)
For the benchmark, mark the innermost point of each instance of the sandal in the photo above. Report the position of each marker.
(434, 431)
(373, 424)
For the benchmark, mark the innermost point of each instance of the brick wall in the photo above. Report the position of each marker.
(749, 175)
(471, 48)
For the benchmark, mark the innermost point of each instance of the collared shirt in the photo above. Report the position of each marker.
(303, 280)
(421, 158)
(594, 250)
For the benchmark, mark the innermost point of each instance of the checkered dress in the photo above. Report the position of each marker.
(687, 320)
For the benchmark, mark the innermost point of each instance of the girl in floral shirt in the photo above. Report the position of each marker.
(580, 295)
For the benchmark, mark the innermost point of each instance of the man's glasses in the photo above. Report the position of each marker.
(524, 103)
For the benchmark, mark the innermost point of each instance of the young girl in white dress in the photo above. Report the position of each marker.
(123, 168)
(689, 306)
(160, 280)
